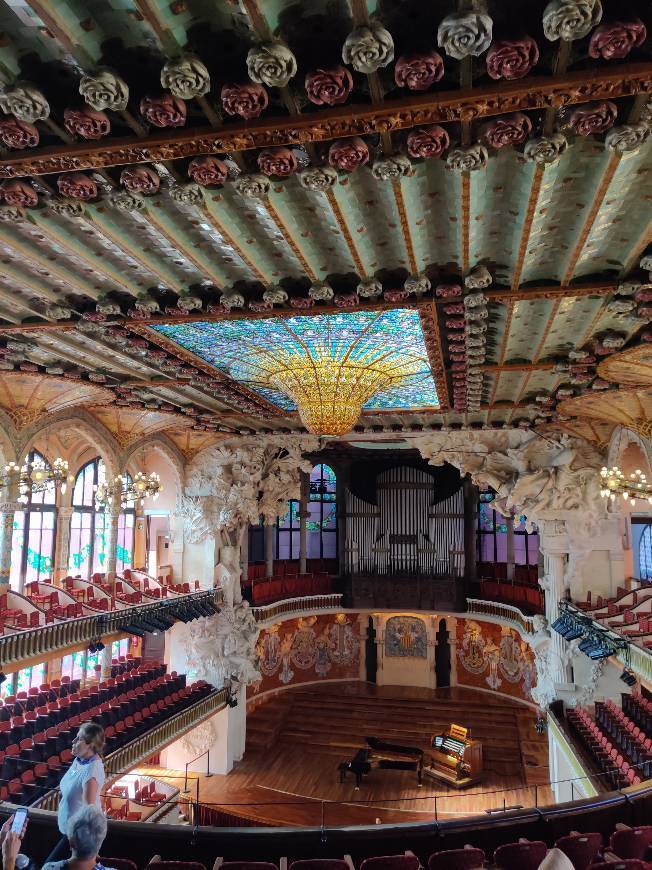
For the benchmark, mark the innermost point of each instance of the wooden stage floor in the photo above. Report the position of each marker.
(296, 740)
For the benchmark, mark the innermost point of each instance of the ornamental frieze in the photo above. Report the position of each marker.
(451, 106)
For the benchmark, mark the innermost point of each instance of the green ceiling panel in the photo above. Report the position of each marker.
(432, 198)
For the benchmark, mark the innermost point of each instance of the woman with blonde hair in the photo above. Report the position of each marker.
(82, 783)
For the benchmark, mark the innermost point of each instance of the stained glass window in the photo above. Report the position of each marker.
(645, 554)
(287, 533)
(492, 535)
(248, 350)
(322, 513)
(87, 526)
(125, 543)
(29, 677)
(32, 544)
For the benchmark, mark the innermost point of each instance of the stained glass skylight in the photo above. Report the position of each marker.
(250, 350)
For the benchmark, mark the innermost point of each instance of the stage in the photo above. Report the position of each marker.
(296, 740)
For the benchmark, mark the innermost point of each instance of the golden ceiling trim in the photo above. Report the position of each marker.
(612, 407)
(631, 368)
(218, 225)
(287, 235)
(432, 338)
(533, 199)
(323, 125)
(346, 232)
(405, 225)
(465, 227)
(607, 178)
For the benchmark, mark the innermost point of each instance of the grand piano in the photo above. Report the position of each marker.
(455, 759)
(384, 756)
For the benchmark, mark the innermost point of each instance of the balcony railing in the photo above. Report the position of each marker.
(501, 612)
(293, 606)
(33, 642)
(133, 753)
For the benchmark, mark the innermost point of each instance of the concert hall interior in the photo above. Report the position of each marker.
(325, 432)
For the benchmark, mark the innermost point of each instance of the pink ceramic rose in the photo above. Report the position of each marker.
(348, 154)
(247, 100)
(140, 179)
(19, 193)
(508, 130)
(77, 185)
(330, 87)
(395, 295)
(615, 40)
(87, 123)
(164, 110)
(278, 161)
(512, 58)
(208, 171)
(593, 118)
(427, 142)
(18, 134)
(418, 71)
(346, 300)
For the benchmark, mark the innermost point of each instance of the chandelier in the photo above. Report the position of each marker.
(330, 393)
(37, 477)
(615, 483)
(124, 490)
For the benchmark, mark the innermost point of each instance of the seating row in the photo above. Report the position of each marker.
(626, 849)
(618, 771)
(268, 591)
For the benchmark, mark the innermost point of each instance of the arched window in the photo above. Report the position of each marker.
(322, 513)
(645, 554)
(126, 523)
(87, 526)
(32, 546)
(492, 535)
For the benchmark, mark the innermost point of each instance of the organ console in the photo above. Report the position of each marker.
(456, 759)
(386, 756)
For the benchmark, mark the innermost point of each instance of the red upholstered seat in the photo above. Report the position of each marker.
(627, 864)
(631, 842)
(118, 863)
(243, 865)
(520, 856)
(457, 859)
(175, 865)
(391, 862)
(320, 864)
(582, 849)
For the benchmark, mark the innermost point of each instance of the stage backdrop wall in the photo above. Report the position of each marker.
(308, 650)
(494, 657)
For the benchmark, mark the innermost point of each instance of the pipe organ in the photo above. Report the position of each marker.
(409, 531)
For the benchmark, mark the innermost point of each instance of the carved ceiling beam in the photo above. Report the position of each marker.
(289, 238)
(174, 235)
(638, 249)
(497, 295)
(12, 299)
(45, 223)
(28, 253)
(539, 350)
(319, 126)
(405, 225)
(535, 189)
(465, 222)
(210, 214)
(607, 178)
(433, 342)
(99, 220)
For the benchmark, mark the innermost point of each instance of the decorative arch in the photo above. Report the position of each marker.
(88, 527)
(95, 433)
(8, 439)
(163, 445)
(621, 439)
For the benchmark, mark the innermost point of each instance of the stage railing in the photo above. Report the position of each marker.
(28, 643)
(504, 613)
(292, 606)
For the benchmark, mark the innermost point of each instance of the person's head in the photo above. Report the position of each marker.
(86, 832)
(89, 740)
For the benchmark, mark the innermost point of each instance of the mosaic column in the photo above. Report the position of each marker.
(269, 550)
(510, 548)
(107, 654)
(62, 546)
(111, 532)
(304, 505)
(8, 507)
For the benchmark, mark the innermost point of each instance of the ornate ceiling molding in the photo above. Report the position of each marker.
(452, 106)
(629, 408)
(631, 368)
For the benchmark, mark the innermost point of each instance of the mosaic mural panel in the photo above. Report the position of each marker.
(493, 657)
(405, 637)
